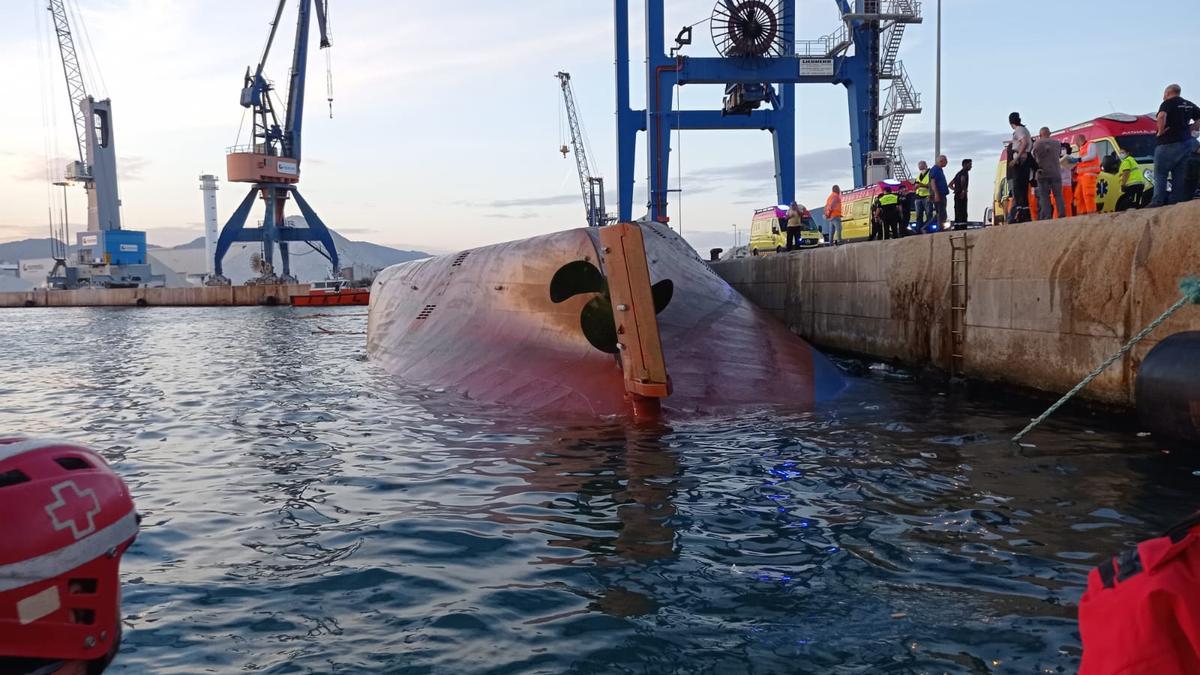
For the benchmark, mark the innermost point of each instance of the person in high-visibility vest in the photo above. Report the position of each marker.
(833, 215)
(924, 202)
(887, 214)
(1087, 170)
(1132, 180)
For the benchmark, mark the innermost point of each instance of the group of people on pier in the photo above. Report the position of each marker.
(1063, 177)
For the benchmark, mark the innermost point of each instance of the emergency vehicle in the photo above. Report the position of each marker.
(768, 230)
(856, 208)
(1136, 134)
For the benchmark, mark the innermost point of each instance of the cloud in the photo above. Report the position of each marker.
(9, 232)
(812, 168)
(557, 200)
(524, 215)
(973, 144)
(130, 167)
(34, 169)
(820, 167)
(172, 235)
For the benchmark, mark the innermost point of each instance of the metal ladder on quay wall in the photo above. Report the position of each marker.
(959, 295)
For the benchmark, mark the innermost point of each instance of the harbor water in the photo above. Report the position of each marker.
(304, 512)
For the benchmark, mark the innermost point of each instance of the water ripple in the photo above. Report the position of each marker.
(304, 513)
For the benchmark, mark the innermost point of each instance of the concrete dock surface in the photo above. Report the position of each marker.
(195, 296)
(1045, 302)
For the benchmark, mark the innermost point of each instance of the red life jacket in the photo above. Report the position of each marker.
(1141, 612)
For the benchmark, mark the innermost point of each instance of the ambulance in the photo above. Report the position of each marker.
(1134, 133)
(768, 231)
(856, 208)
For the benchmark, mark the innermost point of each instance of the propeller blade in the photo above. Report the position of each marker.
(597, 323)
(577, 276)
(662, 292)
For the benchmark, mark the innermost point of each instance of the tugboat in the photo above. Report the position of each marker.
(332, 292)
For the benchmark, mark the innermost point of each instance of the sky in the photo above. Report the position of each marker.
(447, 118)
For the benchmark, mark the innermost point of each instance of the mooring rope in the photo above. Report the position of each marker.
(1189, 287)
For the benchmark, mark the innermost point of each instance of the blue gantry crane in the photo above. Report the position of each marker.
(760, 63)
(272, 160)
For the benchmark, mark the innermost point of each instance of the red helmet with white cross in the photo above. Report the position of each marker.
(67, 518)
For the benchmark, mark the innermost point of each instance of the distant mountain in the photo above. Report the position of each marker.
(188, 259)
(364, 252)
(25, 249)
(307, 264)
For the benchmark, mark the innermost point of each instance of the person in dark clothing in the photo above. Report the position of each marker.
(1019, 165)
(1193, 174)
(959, 185)
(1177, 119)
(886, 216)
(908, 204)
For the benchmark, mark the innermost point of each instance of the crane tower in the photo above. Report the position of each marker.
(107, 256)
(591, 186)
(271, 161)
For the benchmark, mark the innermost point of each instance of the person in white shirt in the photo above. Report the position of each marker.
(1064, 169)
(1019, 169)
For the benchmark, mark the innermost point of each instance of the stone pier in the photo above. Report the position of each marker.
(195, 296)
(1045, 302)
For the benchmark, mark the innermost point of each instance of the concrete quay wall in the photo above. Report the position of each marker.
(196, 296)
(1046, 302)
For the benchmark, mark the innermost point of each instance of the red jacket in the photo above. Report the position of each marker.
(1141, 612)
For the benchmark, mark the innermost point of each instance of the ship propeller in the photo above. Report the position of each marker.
(596, 319)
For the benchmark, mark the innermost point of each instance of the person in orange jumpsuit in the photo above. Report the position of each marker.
(1087, 170)
(1140, 614)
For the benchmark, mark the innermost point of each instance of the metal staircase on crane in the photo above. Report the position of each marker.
(891, 17)
(901, 101)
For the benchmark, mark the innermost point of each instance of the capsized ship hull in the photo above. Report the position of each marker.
(483, 323)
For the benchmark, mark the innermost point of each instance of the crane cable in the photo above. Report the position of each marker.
(43, 79)
(559, 104)
(89, 63)
(328, 62)
(50, 147)
(679, 156)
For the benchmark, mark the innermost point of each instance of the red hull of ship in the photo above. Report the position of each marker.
(481, 323)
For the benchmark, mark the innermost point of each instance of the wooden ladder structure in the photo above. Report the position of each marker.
(959, 295)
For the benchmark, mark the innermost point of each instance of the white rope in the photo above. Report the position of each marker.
(1190, 288)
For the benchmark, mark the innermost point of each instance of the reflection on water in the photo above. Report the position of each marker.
(305, 513)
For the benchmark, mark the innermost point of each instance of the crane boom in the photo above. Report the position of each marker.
(591, 187)
(76, 89)
(294, 114)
